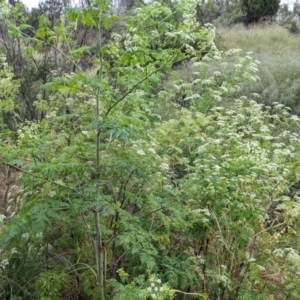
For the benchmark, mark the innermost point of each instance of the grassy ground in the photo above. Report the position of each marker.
(278, 52)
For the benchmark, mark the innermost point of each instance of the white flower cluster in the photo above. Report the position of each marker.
(155, 288)
(28, 133)
(205, 211)
(164, 166)
(223, 278)
(25, 236)
(288, 252)
(4, 263)
(52, 194)
(151, 150)
(13, 250)
(141, 152)
(39, 235)
(261, 268)
(251, 259)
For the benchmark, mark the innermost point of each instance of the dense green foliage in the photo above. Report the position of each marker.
(256, 9)
(145, 174)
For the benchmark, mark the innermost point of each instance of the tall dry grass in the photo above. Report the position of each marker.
(279, 54)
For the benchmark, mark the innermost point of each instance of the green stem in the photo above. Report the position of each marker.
(99, 249)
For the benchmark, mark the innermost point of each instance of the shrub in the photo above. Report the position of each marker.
(256, 9)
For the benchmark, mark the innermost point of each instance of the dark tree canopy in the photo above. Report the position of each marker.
(256, 9)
